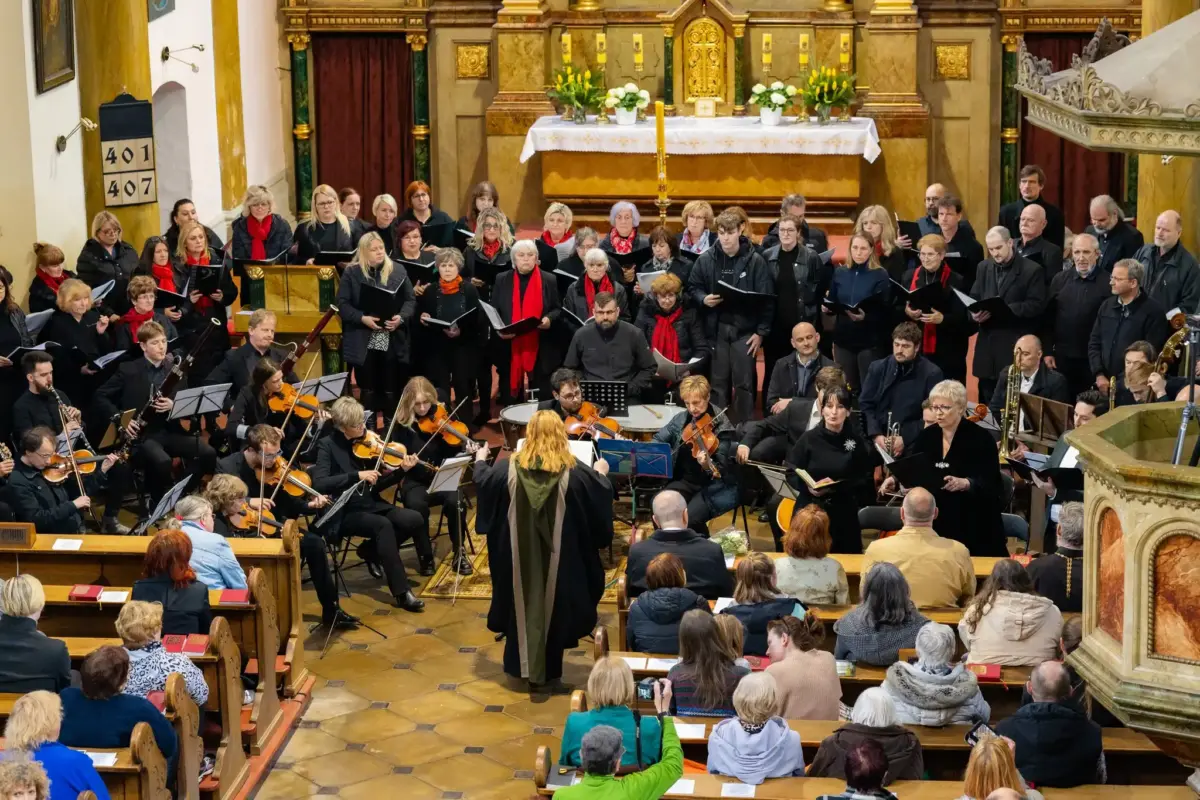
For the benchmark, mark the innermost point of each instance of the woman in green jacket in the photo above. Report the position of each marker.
(610, 700)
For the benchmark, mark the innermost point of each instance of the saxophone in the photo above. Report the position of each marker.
(1012, 406)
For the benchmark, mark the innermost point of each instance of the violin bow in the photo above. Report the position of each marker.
(444, 423)
(62, 420)
(287, 469)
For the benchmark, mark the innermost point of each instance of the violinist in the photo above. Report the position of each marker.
(237, 365)
(382, 525)
(158, 439)
(253, 406)
(568, 395)
(419, 416)
(142, 292)
(454, 348)
(51, 507)
(263, 450)
(212, 558)
(227, 495)
(704, 471)
(611, 349)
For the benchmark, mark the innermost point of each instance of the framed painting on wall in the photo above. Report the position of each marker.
(53, 43)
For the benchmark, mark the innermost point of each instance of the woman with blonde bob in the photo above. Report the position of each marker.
(29, 660)
(610, 698)
(877, 222)
(81, 332)
(756, 744)
(547, 517)
(328, 231)
(139, 624)
(21, 779)
(556, 228)
(32, 732)
(697, 235)
(107, 257)
(260, 233)
(992, 766)
(226, 493)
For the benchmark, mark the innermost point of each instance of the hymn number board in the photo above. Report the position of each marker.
(127, 152)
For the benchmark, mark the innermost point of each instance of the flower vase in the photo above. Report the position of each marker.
(580, 116)
(770, 116)
(568, 113)
(824, 113)
(625, 116)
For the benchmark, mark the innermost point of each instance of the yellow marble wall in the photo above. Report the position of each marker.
(460, 92)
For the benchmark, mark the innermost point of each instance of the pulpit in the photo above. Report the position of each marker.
(299, 294)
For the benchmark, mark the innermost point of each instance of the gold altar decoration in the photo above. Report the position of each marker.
(472, 61)
(1140, 653)
(952, 62)
(704, 60)
(703, 57)
(660, 154)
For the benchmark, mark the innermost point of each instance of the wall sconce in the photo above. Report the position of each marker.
(804, 52)
(167, 55)
(60, 144)
(601, 49)
(766, 53)
(639, 53)
(566, 48)
(844, 55)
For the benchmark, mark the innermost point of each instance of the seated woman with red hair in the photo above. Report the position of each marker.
(168, 579)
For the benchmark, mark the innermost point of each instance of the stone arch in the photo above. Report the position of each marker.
(172, 148)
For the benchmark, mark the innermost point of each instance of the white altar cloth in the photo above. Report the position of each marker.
(703, 136)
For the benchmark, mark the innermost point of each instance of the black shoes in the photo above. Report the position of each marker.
(764, 516)
(425, 566)
(462, 564)
(340, 620)
(411, 603)
(366, 551)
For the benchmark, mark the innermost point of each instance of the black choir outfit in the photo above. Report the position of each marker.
(575, 299)
(387, 233)
(124, 332)
(1019, 282)
(843, 456)
(414, 490)
(772, 438)
(436, 217)
(800, 279)
(172, 237)
(199, 314)
(47, 505)
(617, 354)
(1042, 252)
(707, 496)
(1118, 325)
(1075, 302)
(97, 265)
(13, 334)
(380, 358)
(1121, 241)
(946, 343)
(1010, 217)
(858, 343)
(899, 389)
(679, 266)
(79, 345)
(452, 362)
(273, 236)
(1172, 278)
(972, 516)
(249, 410)
(237, 366)
(536, 353)
(678, 335)
(425, 343)
(964, 253)
(810, 236)
(493, 351)
(43, 290)
(315, 237)
(792, 377)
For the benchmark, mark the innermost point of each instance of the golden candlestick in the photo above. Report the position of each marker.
(660, 141)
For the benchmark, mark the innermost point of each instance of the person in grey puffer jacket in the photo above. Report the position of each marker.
(756, 744)
(653, 625)
(935, 692)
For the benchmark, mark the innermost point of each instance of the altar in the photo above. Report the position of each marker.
(725, 160)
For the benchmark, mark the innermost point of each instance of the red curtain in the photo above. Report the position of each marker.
(1074, 174)
(362, 92)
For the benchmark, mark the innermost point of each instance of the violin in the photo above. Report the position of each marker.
(453, 432)
(370, 446)
(303, 406)
(587, 421)
(978, 413)
(59, 468)
(295, 482)
(699, 434)
(247, 519)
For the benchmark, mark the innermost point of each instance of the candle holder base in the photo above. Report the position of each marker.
(664, 204)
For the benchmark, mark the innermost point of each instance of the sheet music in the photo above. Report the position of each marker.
(108, 358)
(449, 474)
(966, 299)
(101, 291)
(41, 346)
(644, 279)
(36, 321)
(492, 314)
(583, 450)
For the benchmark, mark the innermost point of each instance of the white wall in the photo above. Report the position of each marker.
(264, 87)
(172, 138)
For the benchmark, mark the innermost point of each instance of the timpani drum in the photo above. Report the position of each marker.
(513, 422)
(643, 420)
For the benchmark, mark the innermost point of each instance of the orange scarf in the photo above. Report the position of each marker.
(450, 287)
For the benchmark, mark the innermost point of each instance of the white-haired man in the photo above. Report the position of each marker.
(1075, 298)
(1116, 237)
(1059, 575)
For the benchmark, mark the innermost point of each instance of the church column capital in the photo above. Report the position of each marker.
(299, 41)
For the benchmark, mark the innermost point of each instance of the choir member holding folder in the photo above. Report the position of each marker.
(143, 308)
(376, 304)
(48, 275)
(581, 295)
(858, 295)
(523, 351)
(210, 291)
(451, 322)
(665, 256)
(488, 254)
(328, 231)
(624, 241)
(927, 292)
(876, 221)
(260, 234)
(385, 211)
(557, 229)
(673, 332)
(801, 275)
(106, 257)
(156, 262)
(13, 335)
(437, 226)
(82, 335)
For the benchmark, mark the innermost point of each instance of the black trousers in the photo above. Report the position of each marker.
(773, 350)
(771, 450)
(733, 374)
(316, 558)
(153, 456)
(855, 363)
(380, 380)
(118, 482)
(1077, 371)
(953, 367)
(453, 365)
(416, 497)
(386, 527)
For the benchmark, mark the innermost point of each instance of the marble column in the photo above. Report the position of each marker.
(227, 72)
(523, 56)
(1175, 185)
(739, 70)
(669, 70)
(1010, 120)
(107, 68)
(420, 129)
(897, 178)
(301, 132)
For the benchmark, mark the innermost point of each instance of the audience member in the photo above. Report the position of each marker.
(883, 623)
(33, 730)
(212, 558)
(167, 579)
(22, 779)
(757, 744)
(704, 679)
(873, 717)
(806, 679)
(1008, 623)
(936, 690)
(703, 560)
(733, 634)
(654, 615)
(139, 624)
(1055, 743)
(991, 768)
(601, 752)
(610, 697)
(757, 601)
(866, 769)
(808, 573)
(939, 571)
(1072, 636)
(1059, 575)
(29, 660)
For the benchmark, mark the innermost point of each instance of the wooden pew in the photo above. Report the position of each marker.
(118, 561)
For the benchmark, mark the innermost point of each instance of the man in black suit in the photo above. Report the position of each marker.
(238, 364)
(568, 396)
(158, 439)
(1036, 379)
(703, 559)
(1129, 316)
(963, 250)
(1019, 283)
(1033, 245)
(793, 205)
(795, 376)
(1032, 183)
(1076, 295)
(894, 389)
(49, 506)
(1117, 238)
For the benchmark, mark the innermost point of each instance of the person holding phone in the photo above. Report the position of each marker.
(610, 695)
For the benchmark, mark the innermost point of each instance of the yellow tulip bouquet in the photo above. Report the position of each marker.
(577, 90)
(827, 89)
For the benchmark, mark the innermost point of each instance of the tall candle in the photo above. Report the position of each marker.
(660, 126)
(804, 52)
(601, 49)
(566, 48)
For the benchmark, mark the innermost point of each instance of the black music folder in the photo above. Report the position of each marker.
(516, 328)
(633, 259)
(165, 299)
(1061, 467)
(872, 304)
(487, 271)
(443, 323)
(440, 234)
(688, 254)
(380, 303)
(547, 257)
(208, 278)
(910, 229)
(425, 273)
(924, 298)
(333, 258)
(994, 305)
(917, 470)
(729, 292)
(240, 264)
(565, 279)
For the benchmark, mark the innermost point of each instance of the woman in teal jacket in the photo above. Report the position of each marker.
(610, 695)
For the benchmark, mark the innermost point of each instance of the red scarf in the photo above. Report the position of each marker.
(525, 346)
(164, 276)
(664, 339)
(548, 238)
(259, 231)
(450, 287)
(589, 289)
(929, 334)
(205, 302)
(135, 320)
(622, 245)
(491, 248)
(54, 283)
(879, 249)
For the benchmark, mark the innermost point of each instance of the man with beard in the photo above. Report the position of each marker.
(1116, 237)
(568, 396)
(931, 223)
(894, 389)
(1172, 274)
(610, 349)
(1076, 296)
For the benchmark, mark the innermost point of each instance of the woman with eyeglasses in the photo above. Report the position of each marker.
(107, 257)
(945, 330)
(328, 231)
(419, 206)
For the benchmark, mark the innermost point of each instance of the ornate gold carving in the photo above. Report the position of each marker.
(417, 41)
(302, 131)
(1009, 135)
(420, 131)
(1011, 42)
(739, 31)
(255, 273)
(326, 273)
(299, 41)
(952, 62)
(331, 341)
(704, 60)
(668, 30)
(472, 61)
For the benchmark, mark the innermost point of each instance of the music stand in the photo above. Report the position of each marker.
(119, 423)
(326, 388)
(199, 401)
(1049, 419)
(448, 478)
(777, 478)
(164, 506)
(636, 459)
(612, 395)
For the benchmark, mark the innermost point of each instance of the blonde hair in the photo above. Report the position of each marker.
(346, 412)
(380, 200)
(360, 257)
(546, 447)
(754, 699)
(755, 579)
(694, 384)
(326, 190)
(558, 208)
(934, 241)
(667, 283)
(22, 596)
(223, 490)
(36, 718)
(497, 216)
(888, 234)
(257, 195)
(697, 208)
(185, 230)
(18, 773)
(71, 290)
(610, 683)
(261, 315)
(733, 635)
(104, 219)
(950, 390)
(138, 623)
(418, 386)
(991, 767)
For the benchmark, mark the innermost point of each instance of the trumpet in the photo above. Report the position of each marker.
(893, 431)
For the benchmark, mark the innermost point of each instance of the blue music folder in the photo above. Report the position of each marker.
(651, 459)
